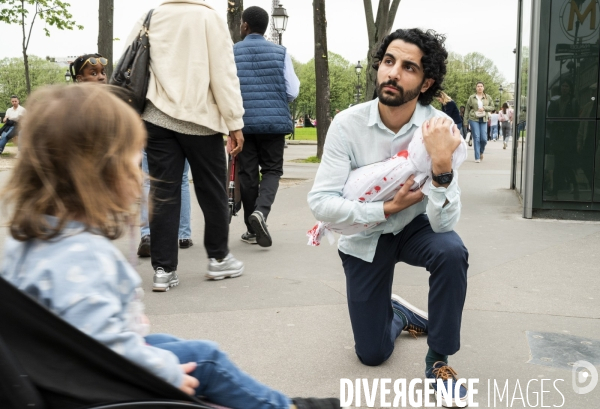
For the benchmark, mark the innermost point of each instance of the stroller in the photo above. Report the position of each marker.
(45, 363)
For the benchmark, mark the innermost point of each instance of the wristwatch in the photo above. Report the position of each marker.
(443, 178)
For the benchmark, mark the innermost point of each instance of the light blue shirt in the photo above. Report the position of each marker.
(357, 137)
(292, 83)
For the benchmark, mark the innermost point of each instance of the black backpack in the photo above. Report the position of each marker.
(132, 72)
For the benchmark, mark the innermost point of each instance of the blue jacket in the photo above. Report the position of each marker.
(260, 68)
(452, 111)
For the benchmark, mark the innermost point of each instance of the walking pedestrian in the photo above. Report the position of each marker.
(411, 65)
(449, 108)
(505, 123)
(193, 99)
(462, 120)
(268, 85)
(68, 205)
(494, 125)
(476, 116)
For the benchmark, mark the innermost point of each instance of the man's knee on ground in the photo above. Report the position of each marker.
(371, 358)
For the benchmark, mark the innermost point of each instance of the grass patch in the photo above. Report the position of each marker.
(310, 159)
(306, 134)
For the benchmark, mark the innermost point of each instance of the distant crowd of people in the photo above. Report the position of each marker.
(478, 120)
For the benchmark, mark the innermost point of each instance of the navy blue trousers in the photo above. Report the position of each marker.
(369, 289)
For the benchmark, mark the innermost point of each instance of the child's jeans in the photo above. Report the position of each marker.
(221, 382)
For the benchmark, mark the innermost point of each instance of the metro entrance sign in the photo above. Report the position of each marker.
(573, 56)
(576, 48)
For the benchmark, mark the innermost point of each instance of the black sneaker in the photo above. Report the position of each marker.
(249, 238)
(185, 243)
(315, 403)
(144, 247)
(257, 221)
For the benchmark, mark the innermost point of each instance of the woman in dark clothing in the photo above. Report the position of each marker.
(449, 108)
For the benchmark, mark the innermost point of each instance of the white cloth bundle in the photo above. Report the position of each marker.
(381, 180)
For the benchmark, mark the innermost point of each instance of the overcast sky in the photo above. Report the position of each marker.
(485, 26)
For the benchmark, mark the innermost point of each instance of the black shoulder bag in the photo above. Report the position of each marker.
(132, 73)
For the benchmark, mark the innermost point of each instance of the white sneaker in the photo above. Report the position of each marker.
(227, 267)
(477, 161)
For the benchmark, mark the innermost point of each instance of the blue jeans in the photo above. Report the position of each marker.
(185, 227)
(494, 129)
(479, 134)
(221, 382)
(460, 129)
(5, 136)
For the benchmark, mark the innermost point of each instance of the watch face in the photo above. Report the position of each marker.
(444, 178)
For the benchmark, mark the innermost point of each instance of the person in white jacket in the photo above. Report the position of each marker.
(193, 99)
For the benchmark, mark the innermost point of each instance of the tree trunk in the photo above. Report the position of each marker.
(24, 49)
(321, 73)
(105, 33)
(377, 30)
(234, 19)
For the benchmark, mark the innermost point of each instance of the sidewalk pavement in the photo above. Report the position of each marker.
(285, 320)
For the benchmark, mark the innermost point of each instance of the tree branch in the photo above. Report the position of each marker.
(382, 10)
(369, 17)
(392, 15)
(26, 46)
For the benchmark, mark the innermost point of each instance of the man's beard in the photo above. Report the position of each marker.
(397, 100)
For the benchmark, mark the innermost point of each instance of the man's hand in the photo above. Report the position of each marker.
(235, 142)
(440, 143)
(189, 383)
(404, 198)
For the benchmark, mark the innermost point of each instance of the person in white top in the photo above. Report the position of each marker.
(494, 124)
(505, 118)
(11, 118)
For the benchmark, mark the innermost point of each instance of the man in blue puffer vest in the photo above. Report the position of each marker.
(268, 84)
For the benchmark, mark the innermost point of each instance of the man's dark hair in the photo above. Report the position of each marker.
(14, 96)
(257, 19)
(434, 56)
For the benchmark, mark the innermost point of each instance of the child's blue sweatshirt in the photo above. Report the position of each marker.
(85, 280)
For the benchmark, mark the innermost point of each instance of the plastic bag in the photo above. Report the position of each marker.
(381, 180)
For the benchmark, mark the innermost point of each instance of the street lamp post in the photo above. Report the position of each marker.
(358, 69)
(280, 19)
(68, 76)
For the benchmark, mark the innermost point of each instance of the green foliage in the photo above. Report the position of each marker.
(312, 159)
(464, 72)
(342, 85)
(54, 12)
(306, 134)
(12, 77)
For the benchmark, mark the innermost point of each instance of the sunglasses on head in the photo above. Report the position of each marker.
(94, 61)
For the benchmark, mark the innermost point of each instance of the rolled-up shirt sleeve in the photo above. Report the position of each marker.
(325, 199)
(444, 218)
(292, 83)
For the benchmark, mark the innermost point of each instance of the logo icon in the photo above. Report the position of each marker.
(579, 19)
(585, 377)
